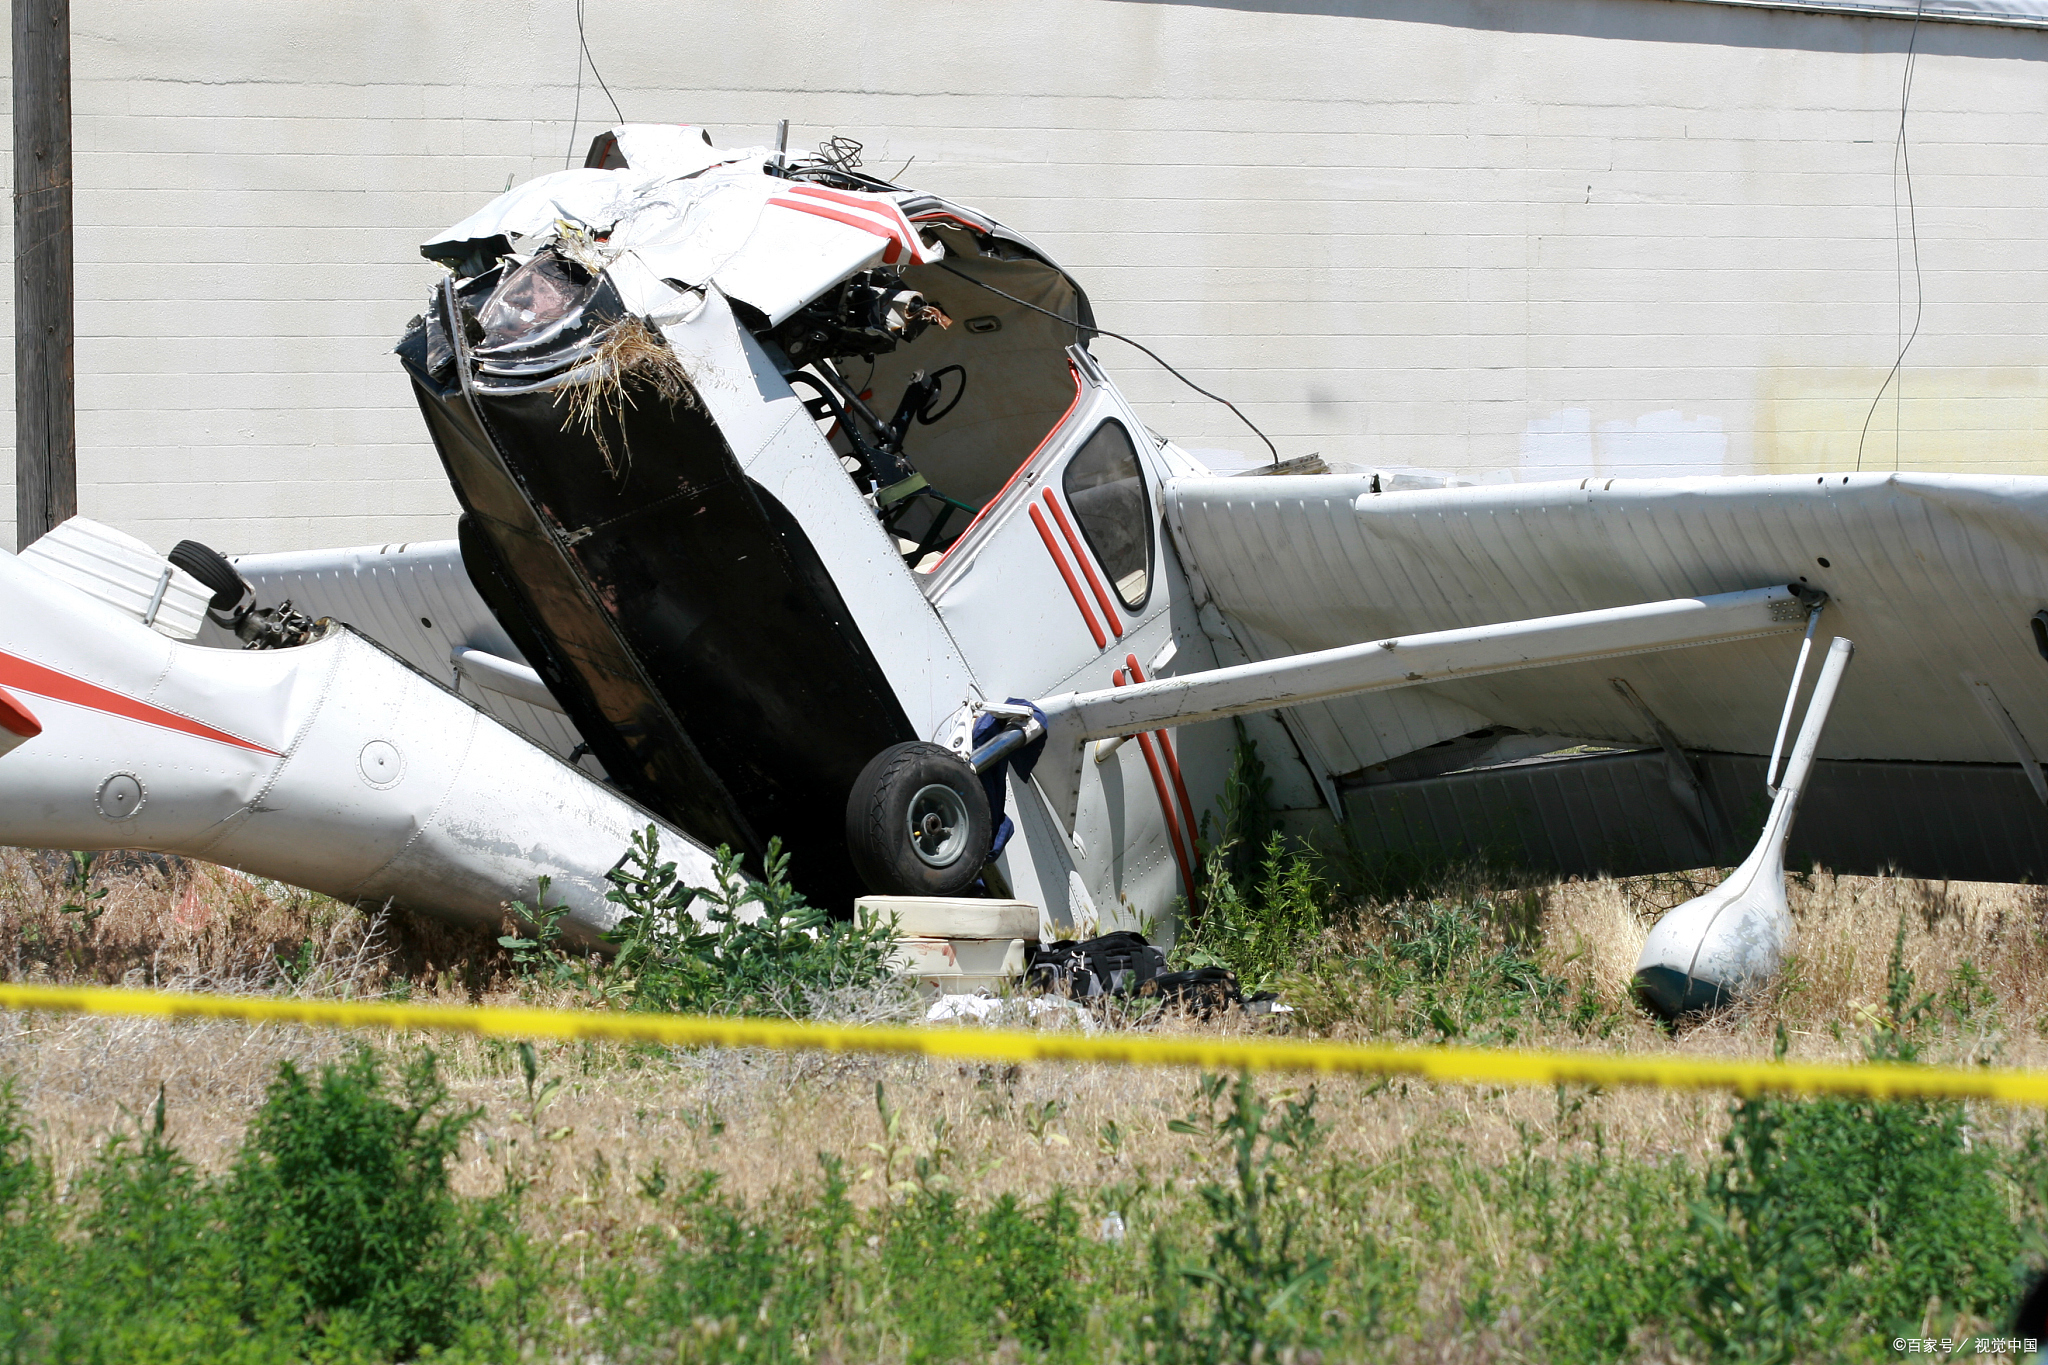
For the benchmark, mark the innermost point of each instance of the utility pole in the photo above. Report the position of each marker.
(45, 420)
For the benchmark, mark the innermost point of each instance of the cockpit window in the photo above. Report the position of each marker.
(1106, 489)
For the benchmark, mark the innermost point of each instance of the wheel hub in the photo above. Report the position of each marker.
(938, 825)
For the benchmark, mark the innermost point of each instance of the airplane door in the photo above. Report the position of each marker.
(1062, 569)
(1061, 589)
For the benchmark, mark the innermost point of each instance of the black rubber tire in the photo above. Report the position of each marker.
(212, 569)
(878, 836)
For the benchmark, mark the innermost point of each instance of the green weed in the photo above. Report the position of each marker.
(1442, 969)
(1254, 1289)
(926, 1276)
(334, 1236)
(760, 947)
(1831, 1218)
(1261, 899)
(1819, 1231)
(341, 1194)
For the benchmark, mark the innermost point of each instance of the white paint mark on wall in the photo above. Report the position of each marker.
(1559, 446)
(1662, 444)
(1665, 444)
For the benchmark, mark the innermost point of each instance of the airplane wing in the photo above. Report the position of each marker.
(416, 600)
(1929, 760)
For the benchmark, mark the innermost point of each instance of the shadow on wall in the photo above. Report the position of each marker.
(1663, 21)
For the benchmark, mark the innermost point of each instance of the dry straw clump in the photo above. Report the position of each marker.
(147, 919)
(629, 355)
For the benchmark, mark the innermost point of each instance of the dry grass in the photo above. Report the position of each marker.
(1834, 987)
(761, 1119)
(617, 1115)
(629, 356)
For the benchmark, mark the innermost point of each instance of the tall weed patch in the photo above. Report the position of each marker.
(334, 1235)
(339, 1206)
(1818, 1231)
(1461, 967)
(1257, 1285)
(1261, 900)
(759, 947)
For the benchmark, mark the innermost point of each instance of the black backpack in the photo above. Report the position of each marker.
(1203, 992)
(1114, 964)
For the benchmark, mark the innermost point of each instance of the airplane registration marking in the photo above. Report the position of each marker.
(1081, 556)
(34, 678)
(1059, 560)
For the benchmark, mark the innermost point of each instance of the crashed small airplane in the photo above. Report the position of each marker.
(795, 503)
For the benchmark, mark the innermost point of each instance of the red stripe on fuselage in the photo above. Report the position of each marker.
(1180, 786)
(875, 204)
(895, 238)
(1059, 560)
(1087, 565)
(1180, 851)
(48, 682)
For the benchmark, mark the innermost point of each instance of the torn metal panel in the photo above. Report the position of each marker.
(769, 242)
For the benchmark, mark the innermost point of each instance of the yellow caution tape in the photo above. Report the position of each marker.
(1458, 1065)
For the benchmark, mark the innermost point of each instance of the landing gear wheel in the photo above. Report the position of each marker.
(212, 569)
(917, 822)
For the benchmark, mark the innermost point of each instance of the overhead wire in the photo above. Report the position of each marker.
(1902, 158)
(583, 56)
(1104, 331)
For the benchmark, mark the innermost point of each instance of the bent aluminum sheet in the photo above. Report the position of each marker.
(767, 241)
(1936, 577)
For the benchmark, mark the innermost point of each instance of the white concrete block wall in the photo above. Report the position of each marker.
(1552, 237)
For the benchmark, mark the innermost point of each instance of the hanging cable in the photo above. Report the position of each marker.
(1901, 158)
(582, 56)
(576, 118)
(1100, 331)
